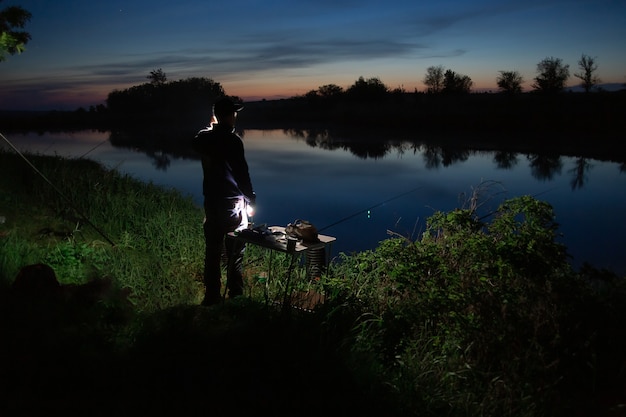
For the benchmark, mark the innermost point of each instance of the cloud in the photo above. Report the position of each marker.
(247, 40)
(270, 54)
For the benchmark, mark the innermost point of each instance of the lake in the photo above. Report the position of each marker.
(358, 193)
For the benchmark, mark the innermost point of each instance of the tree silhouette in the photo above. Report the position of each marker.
(330, 91)
(188, 99)
(434, 79)
(157, 77)
(325, 93)
(552, 75)
(370, 89)
(588, 67)
(13, 41)
(454, 83)
(510, 82)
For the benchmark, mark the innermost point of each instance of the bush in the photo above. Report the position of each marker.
(477, 318)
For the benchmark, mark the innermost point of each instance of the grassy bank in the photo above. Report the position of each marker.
(479, 317)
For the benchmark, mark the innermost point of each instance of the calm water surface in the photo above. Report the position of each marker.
(335, 188)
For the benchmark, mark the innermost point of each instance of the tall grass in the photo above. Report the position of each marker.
(158, 246)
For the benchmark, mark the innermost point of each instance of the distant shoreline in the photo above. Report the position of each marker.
(575, 124)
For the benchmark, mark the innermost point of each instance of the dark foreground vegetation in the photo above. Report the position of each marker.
(481, 316)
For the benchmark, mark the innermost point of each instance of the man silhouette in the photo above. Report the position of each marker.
(228, 193)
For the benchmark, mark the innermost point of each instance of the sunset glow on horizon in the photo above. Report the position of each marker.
(81, 51)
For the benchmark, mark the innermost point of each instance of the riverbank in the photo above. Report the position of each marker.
(463, 323)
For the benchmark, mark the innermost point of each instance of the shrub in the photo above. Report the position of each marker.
(480, 316)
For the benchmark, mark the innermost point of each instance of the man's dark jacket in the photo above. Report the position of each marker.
(224, 165)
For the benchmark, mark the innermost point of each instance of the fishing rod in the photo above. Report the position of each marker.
(370, 208)
(55, 188)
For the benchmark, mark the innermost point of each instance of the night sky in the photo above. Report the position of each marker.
(82, 50)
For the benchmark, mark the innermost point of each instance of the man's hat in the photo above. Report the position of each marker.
(226, 105)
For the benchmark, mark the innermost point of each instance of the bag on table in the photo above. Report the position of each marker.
(302, 230)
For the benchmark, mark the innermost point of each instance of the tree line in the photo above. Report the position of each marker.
(191, 98)
(163, 100)
(552, 76)
(445, 103)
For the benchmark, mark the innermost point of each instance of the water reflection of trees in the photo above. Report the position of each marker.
(544, 167)
(505, 159)
(579, 173)
(363, 148)
(162, 146)
(160, 160)
(436, 156)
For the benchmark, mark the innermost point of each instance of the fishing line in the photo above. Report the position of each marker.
(54, 187)
(92, 149)
(369, 208)
(549, 190)
(491, 213)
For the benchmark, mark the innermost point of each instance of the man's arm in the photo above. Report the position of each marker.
(240, 171)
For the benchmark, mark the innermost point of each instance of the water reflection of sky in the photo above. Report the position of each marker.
(335, 188)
